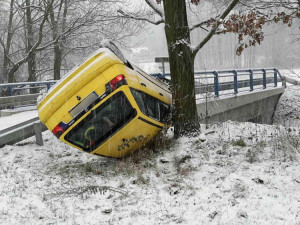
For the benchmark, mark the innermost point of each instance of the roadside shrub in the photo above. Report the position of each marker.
(239, 142)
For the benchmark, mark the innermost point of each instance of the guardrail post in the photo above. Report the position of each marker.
(251, 80)
(264, 78)
(275, 77)
(235, 82)
(10, 91)
(216, 83)
(38, 133)
(48, 86)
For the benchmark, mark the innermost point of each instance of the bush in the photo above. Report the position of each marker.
(239, 142)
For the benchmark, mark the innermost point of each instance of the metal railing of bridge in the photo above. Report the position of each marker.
(12, 88)
(240, 80)
(217, 82)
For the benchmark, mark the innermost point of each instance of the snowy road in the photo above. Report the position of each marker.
(6, 122)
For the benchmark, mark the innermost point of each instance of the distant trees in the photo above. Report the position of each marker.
(43, 35)
(28, 27)
(181, 17)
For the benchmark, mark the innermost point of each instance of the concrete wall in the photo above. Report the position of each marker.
(251, 106)
(18, 100)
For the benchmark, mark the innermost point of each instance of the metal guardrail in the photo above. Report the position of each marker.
(12, 87)
(21, 131)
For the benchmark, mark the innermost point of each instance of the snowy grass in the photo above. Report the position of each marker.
(243, 173)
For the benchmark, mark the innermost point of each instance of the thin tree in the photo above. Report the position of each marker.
(29, 33)
(6, 43)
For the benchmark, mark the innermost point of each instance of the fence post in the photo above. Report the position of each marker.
(216, 83)
(10, 91)
(275, 77)
(264, 78)
(251, 80)
(235, 82)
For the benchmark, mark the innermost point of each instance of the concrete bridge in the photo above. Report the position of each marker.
(256, 106)
(240, 95)
(245, 95)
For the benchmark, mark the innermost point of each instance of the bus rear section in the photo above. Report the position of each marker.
(102, 108)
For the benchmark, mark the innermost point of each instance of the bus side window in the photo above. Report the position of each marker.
(147, 104)
(139, 98)
(151, 104)
(164, 111)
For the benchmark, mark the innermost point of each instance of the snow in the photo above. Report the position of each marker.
(6, 122)
(233, 173)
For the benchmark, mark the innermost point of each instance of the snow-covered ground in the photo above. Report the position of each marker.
(243, 173)
(6, 122)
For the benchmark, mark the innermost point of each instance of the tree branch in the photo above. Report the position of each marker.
(213, 31)
(126, 15)
(200, 25)
(159, 10)
(16, 66)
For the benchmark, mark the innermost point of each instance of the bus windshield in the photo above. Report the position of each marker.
(102, 123)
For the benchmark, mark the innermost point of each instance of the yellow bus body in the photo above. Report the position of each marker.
(91, 76)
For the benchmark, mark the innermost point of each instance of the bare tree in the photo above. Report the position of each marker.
(247, 21)
(29, 33)
(58, 26)
(49, 34)
(32, 45)
(81, 26)
(6, 43)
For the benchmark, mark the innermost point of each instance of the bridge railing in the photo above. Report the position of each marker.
(10, 89)
(225, 82)
(219, 83)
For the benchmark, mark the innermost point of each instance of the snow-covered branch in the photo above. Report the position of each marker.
(215, 28)
(130, 16)
(156, 7)
(200, 25)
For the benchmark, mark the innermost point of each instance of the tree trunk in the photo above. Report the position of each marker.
(31, 66)
(58, 26)
(57, 61)
(30, 43)
(9, 77)
(182, 68)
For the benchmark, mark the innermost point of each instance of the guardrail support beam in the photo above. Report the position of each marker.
(264, 78)
(216, 83)
(10, 91)
(251, 80)
(235, 82)
(275, 77)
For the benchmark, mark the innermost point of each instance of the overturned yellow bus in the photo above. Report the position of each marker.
(106, 106)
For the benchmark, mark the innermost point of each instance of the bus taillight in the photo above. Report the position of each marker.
(60, 129)
(117, 82)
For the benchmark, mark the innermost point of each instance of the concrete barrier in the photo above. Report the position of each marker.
(9, 112)
(257, 106)
(18, 100)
